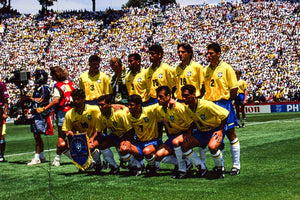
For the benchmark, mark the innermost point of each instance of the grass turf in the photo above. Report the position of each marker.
(270, 169)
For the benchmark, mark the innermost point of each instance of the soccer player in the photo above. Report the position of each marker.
(82, 118)
(177, 122)
(61, 102)
(94, 82)
(144, 121)
(120, 130)
(159, 73)
(188, 72)
(135, 80)
(221, 87)
(240, 99)
(40, 97)
(120, 93)
(3, 116)
(210, 120)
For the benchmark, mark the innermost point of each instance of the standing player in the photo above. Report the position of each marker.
(177, 122)
(159, 73)
(135, 80)
(119, 89)
(144, 121)
(240, 99)
(188, 72)
(3, 115)
(210, 120)
(61, 101)
(94, 82)
(221, 87)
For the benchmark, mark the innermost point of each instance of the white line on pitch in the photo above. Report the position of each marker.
(20, 154)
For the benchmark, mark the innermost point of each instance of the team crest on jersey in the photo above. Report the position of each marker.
(172, 118)
(189, 73)
(220, 74)
(139, 80)
(99, 81)
(146, 119)
(202, 117)
(115, 124)
(89, 117)
(160, 75)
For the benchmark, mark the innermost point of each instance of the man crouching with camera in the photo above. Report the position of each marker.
(40, 97)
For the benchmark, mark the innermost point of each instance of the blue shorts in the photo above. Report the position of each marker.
(168, 142)
(239, 99)
(150, 102)
(39, 125)
(204, 136)
(232, 119)
(141, 145)
(60, 115)
(116, 139)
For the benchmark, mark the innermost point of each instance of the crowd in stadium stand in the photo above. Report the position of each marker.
(261, 39)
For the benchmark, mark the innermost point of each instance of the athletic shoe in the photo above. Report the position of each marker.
(43, 160)
(179, 175)
(175, 170)
(2, 159)
(201, 173)
(56, 163)
(219, 172)
(34, 162)
(114, 170)
(243, 125)
(98, 168)
(135, 171)
(234, 171)
(151, 170)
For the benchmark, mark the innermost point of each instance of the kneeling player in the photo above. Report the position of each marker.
(210, 120)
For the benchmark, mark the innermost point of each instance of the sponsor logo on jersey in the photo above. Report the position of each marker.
(172, 118)
(89, 117)
(220, 74)
(115, 124)
(99, 81)
(139, 80)
(202, 117)
(189, 73)
(146, 119)
(160, 75)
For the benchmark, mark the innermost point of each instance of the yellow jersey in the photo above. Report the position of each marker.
(242, 86)
(137, 84)
(163, 75)
(117, 122)
(207, 115)
(192, 74)
(176, 118)
(219, 81)
(145, 125)
(82, 123)
(94, 86)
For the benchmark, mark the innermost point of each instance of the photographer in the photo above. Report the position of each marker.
(3, 115)
(40, 98)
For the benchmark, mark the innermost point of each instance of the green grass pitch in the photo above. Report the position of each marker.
(270, 169)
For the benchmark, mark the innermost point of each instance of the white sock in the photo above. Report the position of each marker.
(37, 156)
(109, 157)
(180, 159)
(57, 157)
(151, 161)
(235, 152)
(202, 153)
(42, 155)
(169, 160)
(96, 156)
(218, 158)
(193, 157)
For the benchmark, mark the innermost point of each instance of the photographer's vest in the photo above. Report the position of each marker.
(66, 99)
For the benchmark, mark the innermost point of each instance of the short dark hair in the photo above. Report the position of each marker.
(115, 60)
(157, 48)
(214, 46)
(164, 88)
(187, 47)
(94, 57)
(190, 88)
(135, 98)
(78, 93)
(135, 56)
(107, 98)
